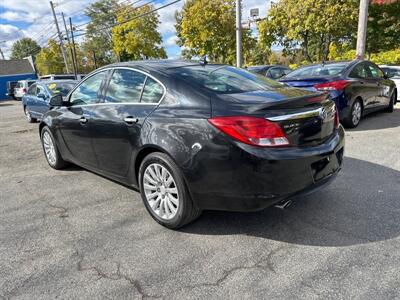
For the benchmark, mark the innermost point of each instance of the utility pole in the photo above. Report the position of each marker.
(69, 43)
(362, 29)
(73, 45)
(238, 34)
(60, 37)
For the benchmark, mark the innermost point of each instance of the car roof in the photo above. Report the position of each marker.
(57, 81)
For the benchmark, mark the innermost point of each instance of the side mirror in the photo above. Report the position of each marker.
(41, 95)
(56, 100)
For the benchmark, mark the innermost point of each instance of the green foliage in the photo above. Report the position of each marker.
(138, 38)
(23, 48)
(208, 28)
(98, 38)
(50, 60)
(387, 57)
(383, 31)
(311, 24)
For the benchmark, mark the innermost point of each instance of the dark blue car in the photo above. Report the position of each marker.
(36, 101)
(357, 87)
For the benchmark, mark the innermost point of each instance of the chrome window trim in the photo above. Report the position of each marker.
(119, 103)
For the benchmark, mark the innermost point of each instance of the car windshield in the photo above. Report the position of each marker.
(392, 72)
(225, 79)
(318, 71)
(62, 88)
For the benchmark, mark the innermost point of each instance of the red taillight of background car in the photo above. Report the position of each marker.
(251, 130)
(337, 121)
(332, 85)
(24, 90)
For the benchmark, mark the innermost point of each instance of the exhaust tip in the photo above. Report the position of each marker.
(284, 204)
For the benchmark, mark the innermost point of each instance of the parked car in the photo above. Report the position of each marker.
(357, 87)
(62, 77)
(10, 88)
(393, 72)
(195, 136)
(36, 102)
(21, 88)
(271, 71)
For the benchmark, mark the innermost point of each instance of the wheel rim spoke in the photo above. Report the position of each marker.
(161, 191)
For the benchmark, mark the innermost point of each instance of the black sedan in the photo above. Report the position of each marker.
(358, 87)
(195, 136)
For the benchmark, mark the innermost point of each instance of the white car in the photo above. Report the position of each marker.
(22, 87)
(393, 72)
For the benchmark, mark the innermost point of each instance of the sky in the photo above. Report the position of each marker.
(33, 18)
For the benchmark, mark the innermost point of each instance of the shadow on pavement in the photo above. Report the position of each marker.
(379, 120)
(361, 206)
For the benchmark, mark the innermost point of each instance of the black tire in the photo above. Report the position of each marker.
(186, 210)
(356, 108)
(58, 162)
(390, 108)
(28, 116)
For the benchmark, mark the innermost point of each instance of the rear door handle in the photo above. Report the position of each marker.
(83, 120)
(131, 120)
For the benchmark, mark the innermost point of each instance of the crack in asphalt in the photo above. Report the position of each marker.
(118, 275)
(268, 266)
(63, 211)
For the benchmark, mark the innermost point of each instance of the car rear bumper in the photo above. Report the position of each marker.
(239, 177)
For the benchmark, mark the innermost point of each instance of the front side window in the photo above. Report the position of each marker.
(375, 71)
(125, 86)
(152, 91)
(89, 91)
(359, 71)
(40, 90)
(32, 90)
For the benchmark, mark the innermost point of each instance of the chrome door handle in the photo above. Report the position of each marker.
(130, 120)
(83, 120)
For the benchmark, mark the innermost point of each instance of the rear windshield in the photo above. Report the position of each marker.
(318, 71)
(225, 79)
(62, 88)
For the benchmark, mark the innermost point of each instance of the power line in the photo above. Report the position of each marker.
(136, 17)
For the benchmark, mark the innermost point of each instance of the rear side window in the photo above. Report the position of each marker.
(359, 71)
(89, 90)
(125, 86)
(152, 92)
(276, 73)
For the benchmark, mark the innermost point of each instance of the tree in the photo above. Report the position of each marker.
(137, 36)
(383, 30)
(98, 38)
(23, 48)
(208, 28)
(49, 60)
(310, 24)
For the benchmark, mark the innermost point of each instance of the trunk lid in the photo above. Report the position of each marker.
(307, 118)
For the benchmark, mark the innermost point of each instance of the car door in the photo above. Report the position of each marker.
(130, 97)
(76, 123)
(382, 95)
(29, 100)
(364, 86)
(42, 100)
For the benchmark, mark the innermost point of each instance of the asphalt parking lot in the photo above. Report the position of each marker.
(73, 234)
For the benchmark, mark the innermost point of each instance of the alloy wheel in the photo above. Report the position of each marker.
(356, 113)
(161, 191)
(49, 148)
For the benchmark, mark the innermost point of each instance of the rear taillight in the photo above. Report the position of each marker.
(24, 90)
(332, 85)
(251, 130)
(337, 121)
